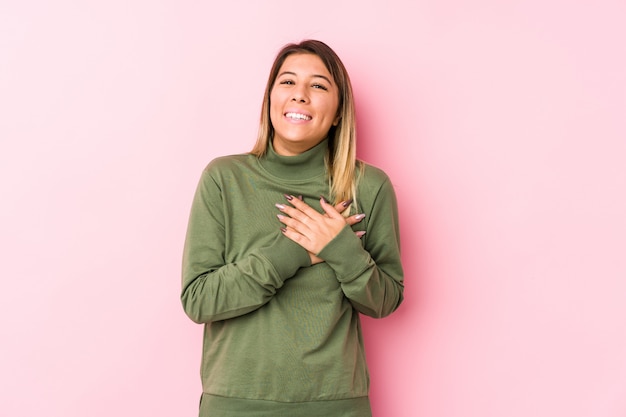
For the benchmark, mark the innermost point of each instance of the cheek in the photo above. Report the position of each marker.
(275, 103)
(333, 112)
(333, 107)
(274, 113)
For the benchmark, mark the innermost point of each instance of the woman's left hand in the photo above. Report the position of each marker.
(310, 229)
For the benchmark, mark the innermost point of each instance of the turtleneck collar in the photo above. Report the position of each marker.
(307, 165)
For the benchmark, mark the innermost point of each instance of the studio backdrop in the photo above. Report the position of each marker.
(500, 123)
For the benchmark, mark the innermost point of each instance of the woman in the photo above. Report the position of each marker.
(279, 275)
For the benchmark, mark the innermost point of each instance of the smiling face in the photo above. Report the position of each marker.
(304, 104)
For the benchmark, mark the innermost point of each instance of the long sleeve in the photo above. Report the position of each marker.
(215, 289)
(281, 335)
(370, 273)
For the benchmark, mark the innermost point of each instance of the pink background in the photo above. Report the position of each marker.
(501, 123)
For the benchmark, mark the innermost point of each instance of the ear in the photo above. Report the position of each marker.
(336, 121)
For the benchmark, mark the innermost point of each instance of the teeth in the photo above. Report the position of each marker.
(298, 116)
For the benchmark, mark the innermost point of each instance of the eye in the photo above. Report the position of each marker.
(287, 82)
(320, 86)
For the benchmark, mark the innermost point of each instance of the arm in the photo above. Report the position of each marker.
(372, 279)
(215, 290)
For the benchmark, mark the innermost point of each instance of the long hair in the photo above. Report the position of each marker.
(341, 163)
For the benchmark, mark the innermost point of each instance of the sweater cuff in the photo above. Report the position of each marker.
(286, 256)
(345, 255)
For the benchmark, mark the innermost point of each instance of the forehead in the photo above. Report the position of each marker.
(305, 65)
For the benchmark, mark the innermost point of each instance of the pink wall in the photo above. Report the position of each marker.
(502, 125)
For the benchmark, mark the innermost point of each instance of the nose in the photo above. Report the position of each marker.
(299, 95)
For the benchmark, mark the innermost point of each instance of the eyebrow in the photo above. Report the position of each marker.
(314, 75)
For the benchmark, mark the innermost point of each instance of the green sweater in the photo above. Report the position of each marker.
(282, 337)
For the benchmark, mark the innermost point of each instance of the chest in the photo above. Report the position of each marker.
(251, 214)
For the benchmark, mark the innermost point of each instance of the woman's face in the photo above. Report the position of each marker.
(304, 104)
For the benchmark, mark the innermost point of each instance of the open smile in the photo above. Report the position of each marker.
(297, 116)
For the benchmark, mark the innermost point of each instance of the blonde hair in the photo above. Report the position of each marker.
(341, 162)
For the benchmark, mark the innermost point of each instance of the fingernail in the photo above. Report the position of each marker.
(360, 233)
(301, 198)
(280, 206)
(288, 197)
(347, 203)
(282, 229)
(280, 217)
(324, 199)
(359, 217)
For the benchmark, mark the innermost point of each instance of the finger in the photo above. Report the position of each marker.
(299, 238)
(330, 210)
(301, 206)
(293, 224)
(352, 220)
(341, 207)
(292, 212)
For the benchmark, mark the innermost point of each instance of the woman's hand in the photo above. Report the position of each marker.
(313, 230)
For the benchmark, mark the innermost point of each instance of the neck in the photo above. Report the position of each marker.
(292, 149)
(304, 165)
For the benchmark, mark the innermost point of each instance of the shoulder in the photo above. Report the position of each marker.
(375, 189)
(229, 162)
(225, 166)
(372, 177)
